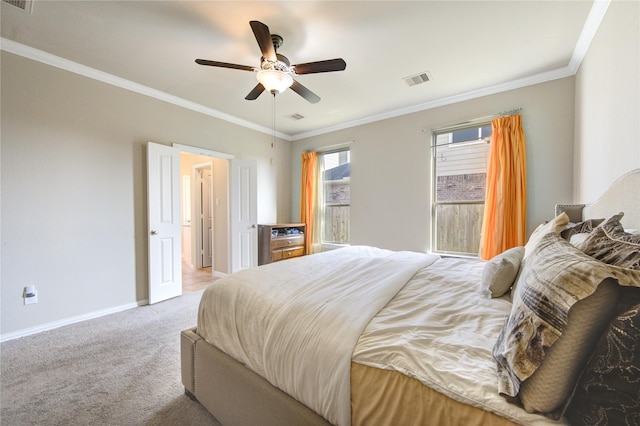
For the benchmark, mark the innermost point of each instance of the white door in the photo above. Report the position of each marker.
(163, 192)
(243, 182)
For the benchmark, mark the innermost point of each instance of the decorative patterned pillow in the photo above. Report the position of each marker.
(602, 246)
(580, 228)
(555, 225)
(613, 226)
(630, 237)
(554, 277)
(608, 391)
(500, 272)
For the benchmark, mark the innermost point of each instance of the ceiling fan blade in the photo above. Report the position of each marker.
(320, 66)
(263, 37)
(253, 94)
(304, 92)
(225, 65)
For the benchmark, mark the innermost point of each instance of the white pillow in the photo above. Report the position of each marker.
(500, 272)
(577, 239)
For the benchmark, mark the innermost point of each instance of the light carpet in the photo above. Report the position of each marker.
(120, 369)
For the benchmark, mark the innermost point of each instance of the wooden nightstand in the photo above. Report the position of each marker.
(280, 241)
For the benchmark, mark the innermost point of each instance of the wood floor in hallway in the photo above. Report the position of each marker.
(194, 279)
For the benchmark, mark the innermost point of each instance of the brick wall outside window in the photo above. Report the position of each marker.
(338, 193)
(464, 187)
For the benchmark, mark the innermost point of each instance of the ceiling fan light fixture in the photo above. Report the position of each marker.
(276, 73)
(275, 81)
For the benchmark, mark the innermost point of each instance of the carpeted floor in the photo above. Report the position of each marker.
(120, 369)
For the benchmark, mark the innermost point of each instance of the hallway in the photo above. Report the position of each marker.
(195, 279)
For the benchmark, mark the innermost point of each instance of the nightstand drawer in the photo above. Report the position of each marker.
(276, 255)
(282, 242)
(294, 252)
(286, 253)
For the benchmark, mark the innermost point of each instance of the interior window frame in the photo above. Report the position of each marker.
(330, 245)
(435, 203)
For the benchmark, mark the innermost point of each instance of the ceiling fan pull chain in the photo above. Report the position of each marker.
(273, 121)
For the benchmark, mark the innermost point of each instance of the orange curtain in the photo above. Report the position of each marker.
(505, 211)
(308, 196)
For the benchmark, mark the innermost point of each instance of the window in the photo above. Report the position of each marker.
(459, 180)
(335, 199)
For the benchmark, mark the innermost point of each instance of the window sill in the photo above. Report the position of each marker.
(457, 255)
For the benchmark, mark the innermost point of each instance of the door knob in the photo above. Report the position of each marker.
(254, 226)
(154, 232)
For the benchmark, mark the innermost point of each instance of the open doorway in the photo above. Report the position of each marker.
(235, 236)
(203, 215)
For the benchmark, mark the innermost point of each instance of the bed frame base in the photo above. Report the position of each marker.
(234, 394)
(190, 395)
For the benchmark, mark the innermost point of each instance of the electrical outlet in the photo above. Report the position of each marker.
(30, 295)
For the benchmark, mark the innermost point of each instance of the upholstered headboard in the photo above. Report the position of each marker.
(622, 196)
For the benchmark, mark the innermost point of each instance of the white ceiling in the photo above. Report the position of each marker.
(469, 49)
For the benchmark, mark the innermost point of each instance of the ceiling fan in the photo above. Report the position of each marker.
(276, 72)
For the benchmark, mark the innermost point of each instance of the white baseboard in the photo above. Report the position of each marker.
(67, 321)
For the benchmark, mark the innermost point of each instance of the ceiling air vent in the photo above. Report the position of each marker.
(25, 5)
(296, 117)
(423, 77)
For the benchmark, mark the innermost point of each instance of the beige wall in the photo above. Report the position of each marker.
(391, 163)
(73, 174)
(608, 104)
(74, 188)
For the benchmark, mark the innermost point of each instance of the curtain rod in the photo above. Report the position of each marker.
(511, 112)
(329, 148)
(471, 123)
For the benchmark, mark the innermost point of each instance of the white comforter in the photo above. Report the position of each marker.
(256, 316)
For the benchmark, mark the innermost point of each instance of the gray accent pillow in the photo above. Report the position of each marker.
(551, 384)
(500, 272)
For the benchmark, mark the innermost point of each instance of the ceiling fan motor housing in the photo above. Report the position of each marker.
(277, 41)
(282, 64)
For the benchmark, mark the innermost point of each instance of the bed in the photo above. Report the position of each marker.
(367, 336)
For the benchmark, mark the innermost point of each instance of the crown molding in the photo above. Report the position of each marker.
(589, 30)
(591, 25)
(491, 90)
(74, 67)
